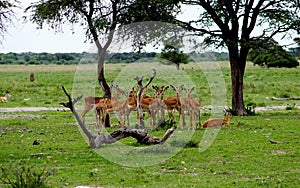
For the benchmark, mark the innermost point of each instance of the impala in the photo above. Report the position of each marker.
(5, 98)
(173, 103)
(89, 102)
(192, 105)
(157, 106)
(149, 104)
(216, 122)
(111, 106)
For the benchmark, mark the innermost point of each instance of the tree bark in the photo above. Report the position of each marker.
(237, 64)
(177, 66)
(95, 141)
(101, 78)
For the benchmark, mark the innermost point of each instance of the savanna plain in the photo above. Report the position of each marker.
(261, 150)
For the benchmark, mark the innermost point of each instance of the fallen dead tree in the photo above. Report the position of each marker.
(95, 141)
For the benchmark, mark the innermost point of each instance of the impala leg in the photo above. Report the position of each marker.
(120, 119)
(97, 117)
(127, 117)
(103, 118)
(162, 115)
(86, 110)
(181, 112)
(198, 119)
(191, 112)
(182, 115)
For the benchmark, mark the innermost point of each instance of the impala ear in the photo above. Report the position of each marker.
(181, 87)
(173, 87)
(192, 89)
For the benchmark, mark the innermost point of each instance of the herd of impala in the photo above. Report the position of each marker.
(155, 106)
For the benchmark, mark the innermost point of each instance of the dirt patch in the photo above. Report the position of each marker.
(278, 152)
(6, 116)
(31, 109)
(205, 108)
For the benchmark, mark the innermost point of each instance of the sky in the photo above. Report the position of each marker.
(25, 37)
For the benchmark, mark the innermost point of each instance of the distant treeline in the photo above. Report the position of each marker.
(30, 58)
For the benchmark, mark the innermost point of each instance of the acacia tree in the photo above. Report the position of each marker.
(6, 15)
(238, 25)
(174, 56)
(99, 18)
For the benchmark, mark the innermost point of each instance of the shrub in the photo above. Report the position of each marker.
(20, 176)
(276, 57)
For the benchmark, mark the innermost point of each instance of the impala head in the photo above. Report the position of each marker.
(228, 114)
(177, 89)
(119, 90)
(156, 88)
(189, 91)
(132, 92)
(7, 94)
(163, 90)
(160, 90)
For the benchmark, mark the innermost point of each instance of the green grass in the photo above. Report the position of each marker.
(260, 84)
(240, 156)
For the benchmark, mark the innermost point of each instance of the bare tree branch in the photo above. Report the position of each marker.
(141, 88)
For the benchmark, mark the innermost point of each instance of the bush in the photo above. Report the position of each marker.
(20, 176)
(276, 57)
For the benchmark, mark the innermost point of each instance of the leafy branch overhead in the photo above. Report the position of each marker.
(6, 15)
(100, 16)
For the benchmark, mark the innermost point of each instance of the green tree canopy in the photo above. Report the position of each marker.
(276, 57)
(173, 56)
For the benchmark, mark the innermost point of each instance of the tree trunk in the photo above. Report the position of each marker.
(177, 66)
(102, 80)
(237, 64)
(101, 56)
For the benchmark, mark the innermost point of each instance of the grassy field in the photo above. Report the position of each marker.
(253, 151)
(260, 84)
